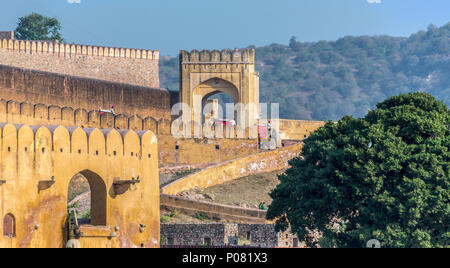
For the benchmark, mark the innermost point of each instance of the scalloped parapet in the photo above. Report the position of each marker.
(55, 133)
(226, 56)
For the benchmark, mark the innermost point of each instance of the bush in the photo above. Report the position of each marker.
(174, 213)
(184, 173)
(164, 219)
(200, 215)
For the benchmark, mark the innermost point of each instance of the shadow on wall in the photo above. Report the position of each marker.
(23, 85)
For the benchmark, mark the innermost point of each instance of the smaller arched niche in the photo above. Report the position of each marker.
(9, 226)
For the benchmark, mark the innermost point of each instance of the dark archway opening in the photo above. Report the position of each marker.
(9, 226)
(219, 107)
(87, 196)
(216, 90)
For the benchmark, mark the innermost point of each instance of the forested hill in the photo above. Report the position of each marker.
(329, 79)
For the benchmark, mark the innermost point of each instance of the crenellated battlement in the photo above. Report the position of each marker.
(122, 65)
(38, 163)
(226, 56)
(68, 50)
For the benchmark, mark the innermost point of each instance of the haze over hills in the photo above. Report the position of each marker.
(329, 79)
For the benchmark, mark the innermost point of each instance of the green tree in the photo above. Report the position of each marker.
(385, 177)
(38, 27)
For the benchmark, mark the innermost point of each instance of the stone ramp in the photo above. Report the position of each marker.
(234, 169)
(214, 211)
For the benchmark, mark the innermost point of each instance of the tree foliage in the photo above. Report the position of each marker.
(384, 176)
(38, 27)
(327, 80)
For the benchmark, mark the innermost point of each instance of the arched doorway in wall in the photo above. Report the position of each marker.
(218, 106)
(87, 196)
(9, 226)
(210, 99)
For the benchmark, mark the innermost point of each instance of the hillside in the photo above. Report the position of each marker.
(329, 79)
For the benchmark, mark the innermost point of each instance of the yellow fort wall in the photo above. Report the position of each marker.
(60, 87)
(298, 129)
(15, 112)
(190, 151)
(203, 151)
(32, 156)
(36, 97)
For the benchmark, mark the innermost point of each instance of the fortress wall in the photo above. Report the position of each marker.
(202, 151)
(226, 234)
(298, 129)
(15, 112)
(195, 236)
(37, 164)
(190, 151)
(35, 87)
(122, 65)
(234, 169)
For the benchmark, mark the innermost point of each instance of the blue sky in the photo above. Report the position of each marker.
(171, 25)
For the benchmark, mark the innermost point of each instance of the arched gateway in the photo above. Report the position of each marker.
(37, 164)
(206, 73)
